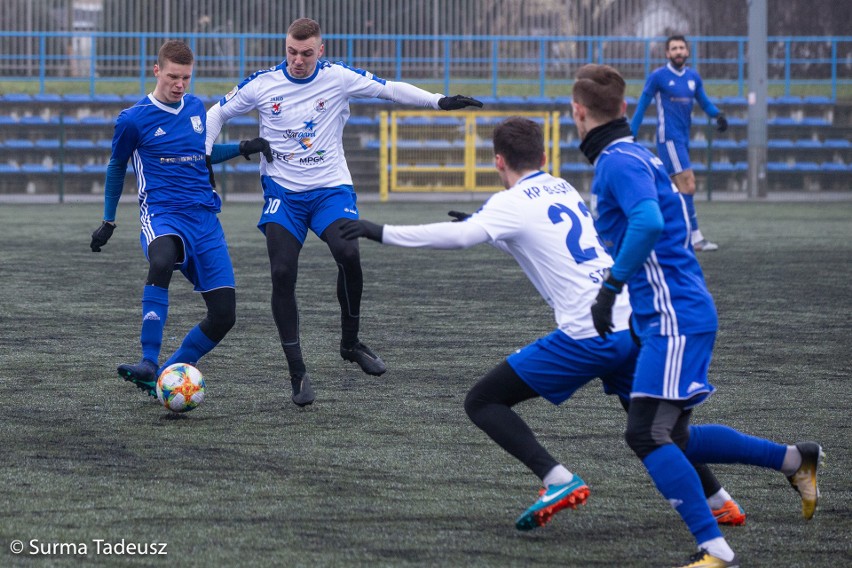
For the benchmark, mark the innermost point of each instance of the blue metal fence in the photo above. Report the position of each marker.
(493, 65)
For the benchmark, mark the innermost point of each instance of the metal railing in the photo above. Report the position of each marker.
(490, 65)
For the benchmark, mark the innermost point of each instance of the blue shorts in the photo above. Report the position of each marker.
(675, 156)
(555, 366)
(299, 211)
(205, 261)
(675, 368)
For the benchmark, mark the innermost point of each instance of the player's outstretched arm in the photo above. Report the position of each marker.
(457, 102)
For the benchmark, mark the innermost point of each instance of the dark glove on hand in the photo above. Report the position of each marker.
(458, 216)
(602, 308)
(101, 236)
(353, 229)
(249, 147)
(721, 123)
(457, 102)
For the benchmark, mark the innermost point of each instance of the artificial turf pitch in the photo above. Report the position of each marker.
(389, 471)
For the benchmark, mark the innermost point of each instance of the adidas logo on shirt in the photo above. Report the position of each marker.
(159, 132)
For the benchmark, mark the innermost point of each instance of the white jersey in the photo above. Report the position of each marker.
(303, 119)
(544, 224)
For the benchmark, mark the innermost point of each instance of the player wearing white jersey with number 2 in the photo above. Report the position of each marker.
(303, 106)
(544, 224)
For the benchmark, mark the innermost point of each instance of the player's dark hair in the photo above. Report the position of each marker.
(304, 28)
(521, 143)
(176, 52)
(675, 38)
(600, 88)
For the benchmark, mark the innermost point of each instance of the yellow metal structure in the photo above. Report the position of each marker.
(435, 151)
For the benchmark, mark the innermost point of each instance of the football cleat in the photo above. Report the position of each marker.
(704, 246)
(703, 559)
(804, 481)
(551, 501)
(143, 374)
(730, 514)
(369, 362)
(303, 392)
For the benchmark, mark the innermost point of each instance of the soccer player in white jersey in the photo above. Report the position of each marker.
(674, 88)
(164, 134)
(303, 104)
(642, 220)
(544, 224)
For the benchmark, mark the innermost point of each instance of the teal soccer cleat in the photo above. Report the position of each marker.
(143, 374)
(551, 501)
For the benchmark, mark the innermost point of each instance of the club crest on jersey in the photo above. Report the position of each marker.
(691, 85)
(276, 109)
(321, 105)
(196, 124)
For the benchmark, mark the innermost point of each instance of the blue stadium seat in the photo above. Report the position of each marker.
(243, 120)
(36, 169)
(76, 98)
(817, 100)
(9, 169)
(815, 121)
(47, 143)
(785, 100)
(363, 120)
(806, 166)
(104, 143)
(6, 119)
(132, 99)
(107, 98)
(734, 101)
(18, 143)
(246, 167)
(47, 98)
(95, 169)
(17, 98)
(79, 143)
(70, 168)
(833, 167)
(538, 100)
(779, 167)
(836, 143)
(566, 101)
(95, 120)
(808, 143)
(779, 143)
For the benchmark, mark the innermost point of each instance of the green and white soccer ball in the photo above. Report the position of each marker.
(180, 387)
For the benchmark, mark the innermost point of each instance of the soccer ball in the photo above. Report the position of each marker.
(180, 387)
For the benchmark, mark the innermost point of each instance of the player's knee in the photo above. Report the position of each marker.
(283, 276)
(346, 253)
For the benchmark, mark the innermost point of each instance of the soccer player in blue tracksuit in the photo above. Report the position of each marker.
(164, 133)
(641, 218)
(674, 88)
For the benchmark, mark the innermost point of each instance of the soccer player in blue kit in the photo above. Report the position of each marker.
(303, 106)
(164, 135)
(543, 223)
(674, 88)
(641, 218)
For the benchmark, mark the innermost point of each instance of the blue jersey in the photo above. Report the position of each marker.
(167, 147)
(668, 294)
(674, 92)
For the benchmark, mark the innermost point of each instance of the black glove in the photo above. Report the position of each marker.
(249, 147)
(458, 216)
(721, 122)
(209, 162)
(101, 235)
(457, 102)
(353, 229)
(602, 308)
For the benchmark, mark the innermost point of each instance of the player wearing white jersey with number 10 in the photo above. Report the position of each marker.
(303, 106)
(544, 224)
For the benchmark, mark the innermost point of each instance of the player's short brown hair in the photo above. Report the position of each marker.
(600, 88)
(304, 28)
(521, 143)
(176, 52)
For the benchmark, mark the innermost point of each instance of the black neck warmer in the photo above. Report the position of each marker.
(598, 137)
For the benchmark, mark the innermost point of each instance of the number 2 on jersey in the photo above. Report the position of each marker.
(572, 241)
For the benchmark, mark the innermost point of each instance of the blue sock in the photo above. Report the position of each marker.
(714, 443)
(155, 310)
(690, 210)
(195, 346)
(676, 479)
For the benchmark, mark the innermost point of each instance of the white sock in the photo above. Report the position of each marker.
(792, 461)
(719, 548)
(557, 476)
(697, 237)
(718, 499)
